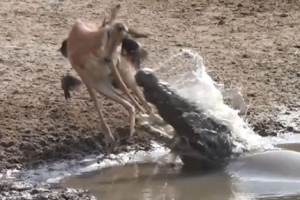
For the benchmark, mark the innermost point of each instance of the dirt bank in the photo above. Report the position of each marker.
(252, 44)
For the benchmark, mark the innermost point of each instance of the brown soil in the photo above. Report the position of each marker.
(252, 44)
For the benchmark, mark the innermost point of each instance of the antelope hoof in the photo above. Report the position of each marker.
(156, 119)
(142, 110)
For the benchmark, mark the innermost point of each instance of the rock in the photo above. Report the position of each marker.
(22, 191)
(290, 129)
(283, 15)
(7, 144)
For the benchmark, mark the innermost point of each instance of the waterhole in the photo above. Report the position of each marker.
(271, 174)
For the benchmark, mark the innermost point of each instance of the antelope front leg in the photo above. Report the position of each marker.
(135, 89)
(156, 119)
(122, 85)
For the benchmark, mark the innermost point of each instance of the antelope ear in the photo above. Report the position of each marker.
(136, 34)
(114, 13)
(143, 54)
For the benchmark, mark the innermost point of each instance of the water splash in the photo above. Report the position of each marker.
(197, 86)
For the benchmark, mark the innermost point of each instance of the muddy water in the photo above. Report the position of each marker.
(268, 175)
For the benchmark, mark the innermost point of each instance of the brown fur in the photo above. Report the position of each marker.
(93, 53)
(131, 50)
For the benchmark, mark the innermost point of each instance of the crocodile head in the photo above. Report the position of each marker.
(145, 78)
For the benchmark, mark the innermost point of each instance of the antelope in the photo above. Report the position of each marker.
(93, 52)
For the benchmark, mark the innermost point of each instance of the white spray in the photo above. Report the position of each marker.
(197, 86)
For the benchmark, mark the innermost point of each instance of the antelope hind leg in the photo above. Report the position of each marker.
(109, 137)
(106, 88)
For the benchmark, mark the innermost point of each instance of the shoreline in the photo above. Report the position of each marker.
(143, 142)
(49, 186)
(47, 183)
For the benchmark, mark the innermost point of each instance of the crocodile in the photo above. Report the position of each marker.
(199, 138)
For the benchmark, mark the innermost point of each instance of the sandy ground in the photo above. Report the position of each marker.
(252, 44)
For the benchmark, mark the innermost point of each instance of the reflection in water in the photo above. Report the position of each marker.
(152, 182)
(148, 181)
